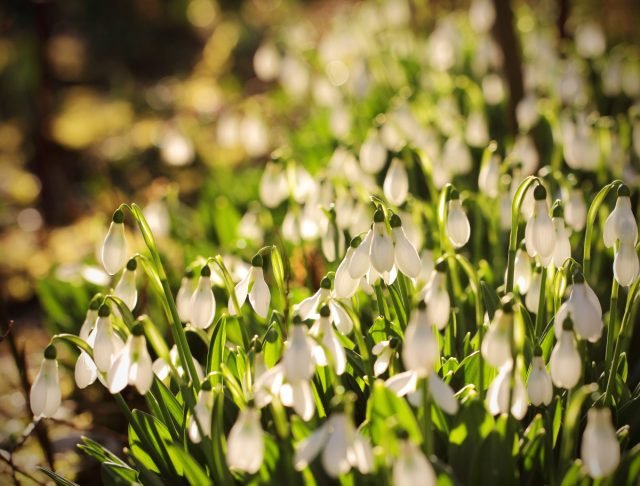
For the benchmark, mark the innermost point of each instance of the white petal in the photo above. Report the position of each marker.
(310, 447)
(458, 228)
(396, 183)
(626, 265)
(241, 290)
(406, 256)
(331, 342)
(85, 372)
(360, 262)
(307, 309)
(381, 254)
(114, 249)
(203, 304)
(341, 317)
(442, 394)
(245, 446)
(118, 374)
(402, 383)
(412, 468)
(126, 289)
(303, 402)
(260, 296)
(565, 362)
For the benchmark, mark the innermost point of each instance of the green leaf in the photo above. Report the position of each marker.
(385, 410)
(490, 299)
(99, 452)
(215, 358)
(116, 474)
(148, 440)
(192, 470)
(59, 480)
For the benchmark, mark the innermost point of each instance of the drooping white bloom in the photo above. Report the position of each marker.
(396, 183)
(406, 383)
(540, 233)
(437, 299)
(89, 322)
(585, 310)
(132, 365)
(344, 285)
(107, 344)
(114, 248)
(489, 177)
(360, 261)
(162, 369)
(539, 385)
(273, 186)
(522, 275)
(562, 250)
(575, 210)
(299, 367)
(527, 112)
(621, 224)
(458, 228)
(203, 302)
(85, 371)
(44, 396)
(323, 330)
(496, 345)
(590, 39)
(266, 62)
(381, 253)
(201, 416)
(373, 154)
(498, 394)
(126, 287)
(532, 298)
(412, 467)
(600, 451)
(183, 298)
(309, 307)
(626, 265)
(245, 445)
(476, 130)
(341, 445)
(254, 286)
(384, 351)
(330, 235)
(565, 362)
(420, 352)
(405, 255)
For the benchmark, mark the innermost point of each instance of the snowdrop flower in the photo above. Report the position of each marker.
(585, 310)
(245, 445)
(45, 392)
(373, 154)
(565, 363)
(266, 62)
(625, 264)
(132, 366)
(482, 15)
(539, 386)
(360, 261)
(420, 351)
(114, 248)
(344, 285)
(522, 274)
(254, 286)
(183, 298)
(437, 298)
(590, 40)
(341, 445)
(406, 383)
(162, 369)
(527, 112)
(381, 253)
(458, 228)
(89, 323)
(201, 416)
(412, 467)
(273, 185)
(476, 131)
(575, 211)
(384, 352)
(406, 256)
(203, 302)
(309, 307)
(331, 233)
(496, 345)
(489, 177)
(621, 224)
(498, 394)
(540, 233)
(107, 344)
(323, 330)
(600, 451)
(532, 298)
(299, 367)
(126, 287)
(85, 372)
(562, 250)
(396, 183)
(456, 156)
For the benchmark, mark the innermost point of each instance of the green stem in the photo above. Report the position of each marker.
(540, 315)
(427, 433)
(611, 327)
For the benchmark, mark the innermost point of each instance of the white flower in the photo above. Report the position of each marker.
(590, 39)
(266, 62)
(496, 345)
(562, 250)
(385, 351)
(114, 249)
(458, 228)
(406, 383)
(527, 112)
(323, 330)
(132, 365)
(45, 396)
(273, 185)
(585, 310)
(126, 287)
(253, 285)
(360, 261)
(420, 350)
(201, 416)
(344, 285)
(539, 386)
(621, 224)
(396, 183)
(625, 264)
(298, 367)
(575, 211)
(476, 132)
(381, 253)
(328, 241)
(245, 445)
(373, 154)
(162, 369)
(600, 449)
(203, 302)
(437, 299)
(498, 394)
(489, 177)
(565, 362)
(309, 307)
(412, 468)
(482, 15)
(406, 257)
(183, 298)
(522, 274)
(540, 232)
(85, 371)
(107, 344)
(341, 445)
(532, 298)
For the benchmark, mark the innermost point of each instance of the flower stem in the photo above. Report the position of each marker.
(427, 433)
(540, 315)
(516, 204)
(611, 327)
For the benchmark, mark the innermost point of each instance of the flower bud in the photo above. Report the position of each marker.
(114, 248)
(600, 449)
(396, 183)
